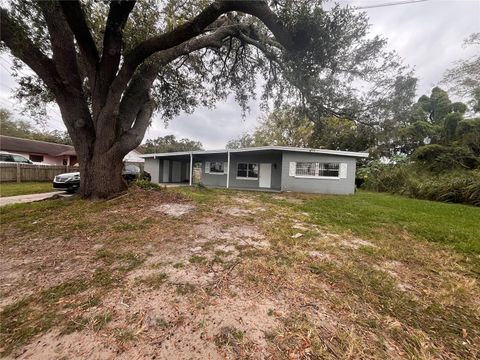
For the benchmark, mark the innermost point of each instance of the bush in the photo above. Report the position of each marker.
(146, 185)
(440, 158)
(460, 186)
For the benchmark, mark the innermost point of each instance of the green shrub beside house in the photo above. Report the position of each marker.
(417, 180)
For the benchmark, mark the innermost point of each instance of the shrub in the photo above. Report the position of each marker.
(146, 185)
(459, 186)
(440, 158)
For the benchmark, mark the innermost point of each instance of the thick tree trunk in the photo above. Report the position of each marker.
(101, 176)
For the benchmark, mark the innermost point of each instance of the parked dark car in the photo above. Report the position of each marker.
(70, 182)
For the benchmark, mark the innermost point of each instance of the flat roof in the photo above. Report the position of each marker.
(261, 148)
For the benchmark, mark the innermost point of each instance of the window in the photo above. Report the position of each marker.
(216, 167)
(6, 157)
(247, 171)
(317, 169)
(329, 169)
(36, 158)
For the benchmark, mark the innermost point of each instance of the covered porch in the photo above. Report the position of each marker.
(232, 169)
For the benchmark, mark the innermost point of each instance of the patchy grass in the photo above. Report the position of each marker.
(24, 188)
(289, 276)
(197, 259)
(155, 281)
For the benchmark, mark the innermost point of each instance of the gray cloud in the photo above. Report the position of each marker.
(427, 35)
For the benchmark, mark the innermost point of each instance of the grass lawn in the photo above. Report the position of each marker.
(198, 273)
(24, 188)
(375, 214)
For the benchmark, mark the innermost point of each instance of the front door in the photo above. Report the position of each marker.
(176, 171)
(166, 171)
(265, 180)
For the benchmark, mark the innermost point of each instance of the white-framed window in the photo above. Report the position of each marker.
(247, 171)
(317, 169)
(215, 167)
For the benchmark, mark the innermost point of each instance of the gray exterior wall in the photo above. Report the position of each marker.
(323, 186)
(280, 178)
(220, 180)
(215, 180)
(152, 166)
(274, 158)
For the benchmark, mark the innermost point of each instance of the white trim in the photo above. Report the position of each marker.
(215, 173)
(317, 177)
(292, 168)
(264, 148)
(228, 169)
(191, 169)
(246, 178)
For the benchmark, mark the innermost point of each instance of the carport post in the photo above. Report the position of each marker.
(228, 169)
(191, 168)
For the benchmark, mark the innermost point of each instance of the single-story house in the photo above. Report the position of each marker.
(274, 168)
(48, 153)
(41, 152)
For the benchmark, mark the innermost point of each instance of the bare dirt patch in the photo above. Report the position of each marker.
(239, 212)
(356, 243)
(175, 210)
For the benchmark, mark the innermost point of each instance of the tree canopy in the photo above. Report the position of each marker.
(170, 143)
(432, 120)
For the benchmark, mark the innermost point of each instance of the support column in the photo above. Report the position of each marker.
(191, 169)
(228, 169)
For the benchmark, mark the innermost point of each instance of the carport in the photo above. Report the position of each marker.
(176, 167)
(170, 167)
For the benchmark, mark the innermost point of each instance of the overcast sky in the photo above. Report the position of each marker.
(427, 35)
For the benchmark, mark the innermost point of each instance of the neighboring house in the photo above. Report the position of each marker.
(47, 153)
(134, 158)
(277, 168)
(40, 152)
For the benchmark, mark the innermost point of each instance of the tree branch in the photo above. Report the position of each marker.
(15, 38)
(113, 38)
(139, 87)
(61, 40)
(76, 20)
(193, 28)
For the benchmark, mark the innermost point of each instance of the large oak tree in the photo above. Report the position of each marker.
(109, 65)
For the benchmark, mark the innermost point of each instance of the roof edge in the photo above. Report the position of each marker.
(262, 148)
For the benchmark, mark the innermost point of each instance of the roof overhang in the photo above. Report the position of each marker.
(259, 149)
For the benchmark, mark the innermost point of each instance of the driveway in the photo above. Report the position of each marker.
(29, 198)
